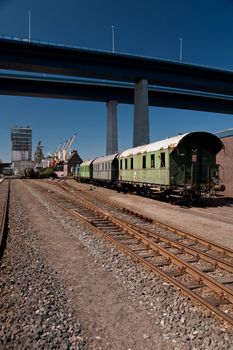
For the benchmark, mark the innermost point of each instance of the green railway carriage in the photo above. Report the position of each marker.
(86, 171)
(179, 165)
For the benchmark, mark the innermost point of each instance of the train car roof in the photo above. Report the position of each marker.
(108, 158)
(87, 162)
(171, 143)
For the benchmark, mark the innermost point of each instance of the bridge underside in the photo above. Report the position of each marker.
(60, 89)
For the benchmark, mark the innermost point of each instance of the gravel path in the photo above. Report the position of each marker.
(35, 313)
(119, 304)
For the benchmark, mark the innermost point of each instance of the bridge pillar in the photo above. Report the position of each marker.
(141, 133)
(112, 135)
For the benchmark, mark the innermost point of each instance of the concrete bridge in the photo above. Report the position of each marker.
(131, 79)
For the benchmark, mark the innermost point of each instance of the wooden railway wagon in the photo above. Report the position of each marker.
(178, 167)
(105, 170)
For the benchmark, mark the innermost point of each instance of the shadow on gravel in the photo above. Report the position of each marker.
(206, 203)
(215, 202)
(4, 238)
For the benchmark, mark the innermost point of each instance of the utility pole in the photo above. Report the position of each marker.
(181, 48)
(113, 39)
(29, 25)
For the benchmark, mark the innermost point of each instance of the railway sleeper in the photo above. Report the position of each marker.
(165, 245)
(226, 280)
(128, 241)
(161, 263)
(206, 268)
(118, 234)
(138, 249)
(175, 273)
(191, 260)
(190, 243)
(216, 301)
(146, 255)
(194, 285)
(178, 252)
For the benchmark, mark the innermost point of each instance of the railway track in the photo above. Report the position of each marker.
(4, 200)
(189, 239)
(200, 268)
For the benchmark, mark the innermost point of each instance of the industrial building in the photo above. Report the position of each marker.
(21, 139)
(21, 153)
(225, 161)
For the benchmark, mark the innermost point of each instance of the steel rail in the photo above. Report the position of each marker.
(225, 295)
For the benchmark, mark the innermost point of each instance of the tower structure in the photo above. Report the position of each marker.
(21, 139)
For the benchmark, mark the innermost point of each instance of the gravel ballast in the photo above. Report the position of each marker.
(35, 312)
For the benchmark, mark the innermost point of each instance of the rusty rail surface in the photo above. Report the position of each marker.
(4, 200)
(182, 265)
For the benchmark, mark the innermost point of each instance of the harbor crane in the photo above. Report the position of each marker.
(63, 150)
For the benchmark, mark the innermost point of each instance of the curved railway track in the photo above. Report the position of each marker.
(4, 201)
(200, 268)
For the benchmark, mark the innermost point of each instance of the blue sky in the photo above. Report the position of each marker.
(150, 28)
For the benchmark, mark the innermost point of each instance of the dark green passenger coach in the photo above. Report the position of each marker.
(184, 163)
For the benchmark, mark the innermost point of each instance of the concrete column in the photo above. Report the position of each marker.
(141, 133)
(112, 135)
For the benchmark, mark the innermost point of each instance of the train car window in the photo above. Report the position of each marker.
(126, 163)
(143, 162)
(162, 160)
(194, 155)
(131, 163)
(152, 161)
(121, 164)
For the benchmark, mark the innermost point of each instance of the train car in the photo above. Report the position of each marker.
(179, 167)
(30, 173)
(85, 171)
(105, 170)
(7, 172)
